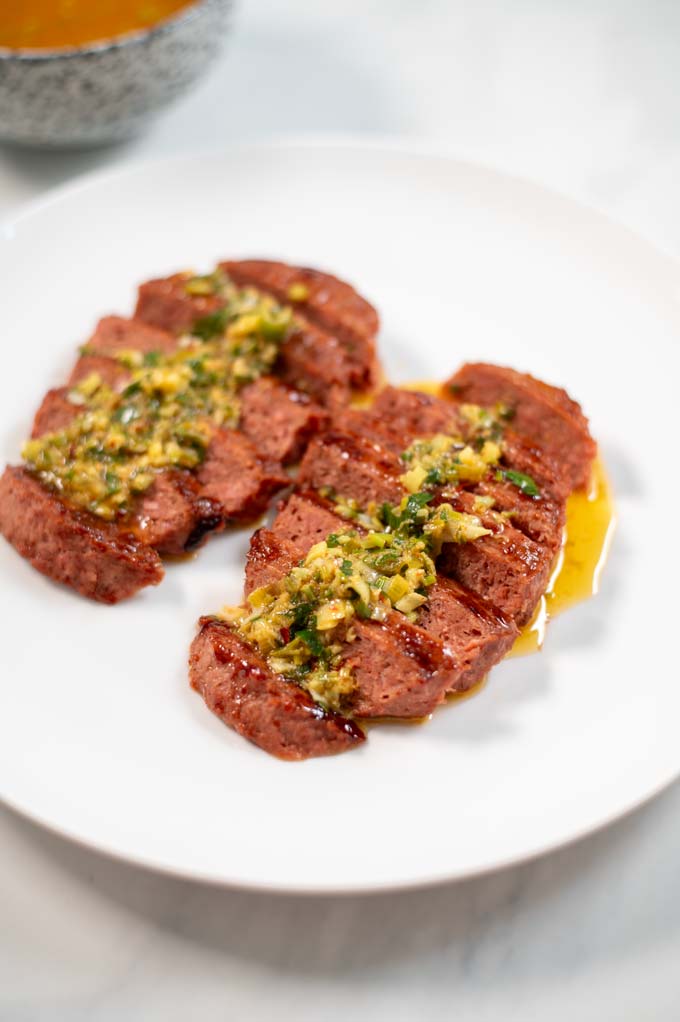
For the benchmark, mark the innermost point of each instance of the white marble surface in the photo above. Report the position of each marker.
(581, 95)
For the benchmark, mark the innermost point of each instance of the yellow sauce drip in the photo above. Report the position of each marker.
(425, 387)
(591, 520)
(590, 524)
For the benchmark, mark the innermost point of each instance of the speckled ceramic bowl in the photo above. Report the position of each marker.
(107, 90)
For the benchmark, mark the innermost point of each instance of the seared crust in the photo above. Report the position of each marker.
(164, 303)
(329, 354)
(55, 412)
(352, 465)
(73, 547)
(280, 421)
(545, 415)
(112, 373)
(173, 516)
(337, 326)
(236, 478)
(114, 334)
(475, 631)
(238, 686)
(400, 670)
(331, 303)
(507, 568)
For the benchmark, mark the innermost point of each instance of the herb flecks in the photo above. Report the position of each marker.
(168, 410)
(523, 482)
(303, 622)
(442, 460)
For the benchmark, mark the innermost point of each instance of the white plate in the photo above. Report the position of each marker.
(100, 736)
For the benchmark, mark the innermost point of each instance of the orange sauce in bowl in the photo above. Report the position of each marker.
(52, 24)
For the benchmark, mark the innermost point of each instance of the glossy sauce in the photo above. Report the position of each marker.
(48, 24)
(590, 524)
(591, 520)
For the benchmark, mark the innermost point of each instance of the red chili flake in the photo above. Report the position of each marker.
(285, 634)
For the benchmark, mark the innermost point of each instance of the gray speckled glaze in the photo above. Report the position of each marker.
(106, 91)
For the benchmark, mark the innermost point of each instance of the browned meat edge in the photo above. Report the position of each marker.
(400, 670)
(75, 548)
(506, 568)
(239, 688)
(476, 633)
(332, 351)
(546, 415)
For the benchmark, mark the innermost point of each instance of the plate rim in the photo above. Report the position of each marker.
(386, 145)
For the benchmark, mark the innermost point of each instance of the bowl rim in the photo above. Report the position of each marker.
(187, 13)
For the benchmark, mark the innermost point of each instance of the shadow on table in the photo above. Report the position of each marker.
(592, 887)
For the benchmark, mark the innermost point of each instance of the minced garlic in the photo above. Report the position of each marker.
(167, 413)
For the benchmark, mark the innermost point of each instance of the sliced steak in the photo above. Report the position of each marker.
(317, 364)
(352, 466)
(397, 417)
(546, 415)
(236, 478)
(330, 305)
(280, 421)
(542, 519)
(326, 361)
(477, 634)
(114, 334)
(240, 689)
(400, 670)
(111, 371)
(165, 303)
(55, 412)
(94, 557)
(173, 516)
(178, 512)
(507, 568)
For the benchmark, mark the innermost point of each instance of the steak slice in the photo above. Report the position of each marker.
(173, 516)
(94, 557)
(331, 351)
(112, 373)
(235, 478)
(400, 670)
(397, 417)
(507, 568)
(55, 412)
(280, 421)
(542, 519)
(330, 305)
(546, 415)
(164, 303)
(352, 466)
(239, 687)
(114, 334)
(477, 634)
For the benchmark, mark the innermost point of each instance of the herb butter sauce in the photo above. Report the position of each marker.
(169, 407)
